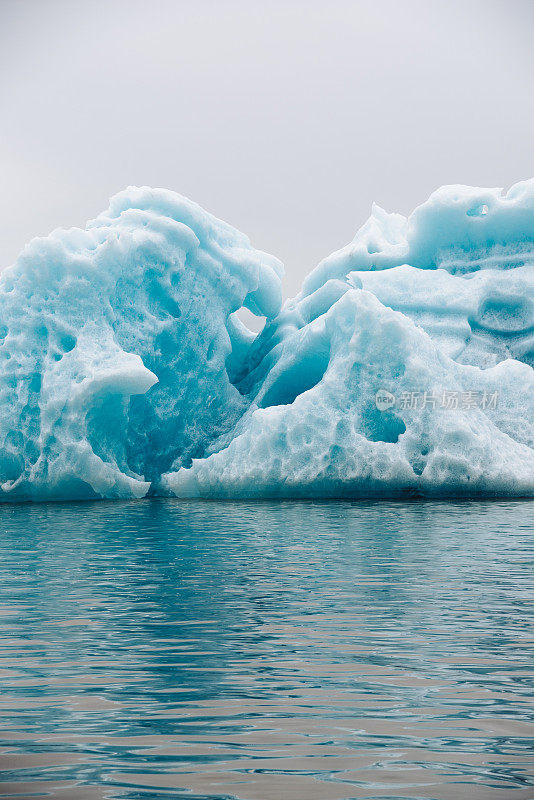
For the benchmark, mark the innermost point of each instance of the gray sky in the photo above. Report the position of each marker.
(286, 119)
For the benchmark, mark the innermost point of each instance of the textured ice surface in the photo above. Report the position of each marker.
(461, 266)
(125, 369)
(318, 431)
(114, 345)
(462, 269)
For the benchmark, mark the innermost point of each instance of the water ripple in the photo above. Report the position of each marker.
(304, 651)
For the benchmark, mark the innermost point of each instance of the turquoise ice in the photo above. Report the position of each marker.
(404, 366)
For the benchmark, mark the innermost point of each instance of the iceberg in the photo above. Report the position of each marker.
(405, 366)
(114, 345)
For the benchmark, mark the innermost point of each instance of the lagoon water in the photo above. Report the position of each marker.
(257, 651)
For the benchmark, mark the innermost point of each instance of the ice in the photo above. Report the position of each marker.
(461, 265)
(462, 268)
(114, 343)
(317, 431)
(404, 367)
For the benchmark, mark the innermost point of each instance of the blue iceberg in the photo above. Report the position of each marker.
(404, 366)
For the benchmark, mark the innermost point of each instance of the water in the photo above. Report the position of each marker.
(266, 651)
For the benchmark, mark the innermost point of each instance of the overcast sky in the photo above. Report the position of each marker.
(286, 119)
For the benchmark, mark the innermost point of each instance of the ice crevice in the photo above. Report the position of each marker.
(404, 367)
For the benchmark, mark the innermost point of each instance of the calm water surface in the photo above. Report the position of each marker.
(260, 651)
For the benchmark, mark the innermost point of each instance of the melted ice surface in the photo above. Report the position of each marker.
(126, 369)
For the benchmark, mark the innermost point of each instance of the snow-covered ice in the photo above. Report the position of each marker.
(125, 368)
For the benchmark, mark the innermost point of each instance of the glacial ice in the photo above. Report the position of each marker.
(127, 371)
(114, 345)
